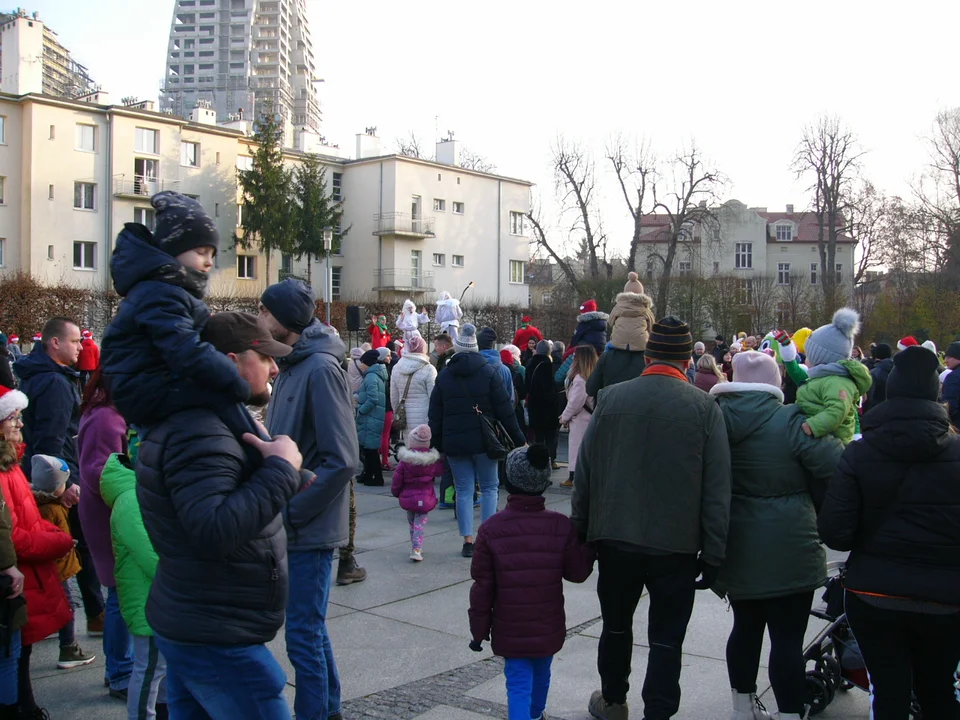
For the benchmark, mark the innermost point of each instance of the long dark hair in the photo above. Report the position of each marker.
(95, 393)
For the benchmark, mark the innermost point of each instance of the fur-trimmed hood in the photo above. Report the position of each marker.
(45, 498)
(413, 456)
(588, 317)
(636, 302)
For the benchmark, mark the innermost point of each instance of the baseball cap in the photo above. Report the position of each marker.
(237, 332)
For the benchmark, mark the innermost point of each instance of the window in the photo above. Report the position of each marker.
(86, 138)
(335, 283)
(458, 208)
(547, 297)
(745, 291)
(744, 256)
(286, 264)
(244, 162)
(84, 196)
(145, 216)
(53, 132)
(716, 268)
(246, 267)
(650, 268)
(783, 315)
(686, 268)
(517, 275)
(716, 234)
(784, 232)
(145, 141)
(218, 158)
(49, 192)
(814, 267)
(439, 205)
(457, 261)
(216, 209)
(239, 214)
(49, 252)
(839, 273)
(190, 154)
(337, 193)
(84, 256)
(516, 223)
(3, 187)
(3, 130)
(783, 273)
(3, 252)
(439, 259)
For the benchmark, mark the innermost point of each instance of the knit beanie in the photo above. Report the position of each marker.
(486, 338)
(292, 302)
(370, 358)
(699, 347)
(543, 347)
(382, 353)
(528, 470)
(915, 374)
(417, 344)
(181, 224)
(882, 351)
(558, 347)
(953, 350)
(589, 306)
(670, 340)
(513, 350)
(11, 401)
(49, 474)
(908, 341)
(633, 284)
(834, 342)
(756, 367)
(419, 438)
(466, 339)
(929, 345)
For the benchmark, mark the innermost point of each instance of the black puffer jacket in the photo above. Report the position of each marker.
(454, 423)
(895, 503)
(215, 523)
(542, 395)
(878, 391)
(615, 366)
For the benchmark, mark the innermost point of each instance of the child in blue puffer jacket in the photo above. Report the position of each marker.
(152, 354)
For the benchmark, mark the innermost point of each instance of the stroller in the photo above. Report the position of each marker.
(837, 662)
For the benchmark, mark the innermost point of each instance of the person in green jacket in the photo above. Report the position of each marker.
(136, 564)
(774, 559)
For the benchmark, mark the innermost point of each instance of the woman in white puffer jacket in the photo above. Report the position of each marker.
(413, 366)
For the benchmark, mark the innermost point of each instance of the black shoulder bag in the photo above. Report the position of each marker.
(496, 439)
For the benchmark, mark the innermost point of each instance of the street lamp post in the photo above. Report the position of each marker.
(327, 246)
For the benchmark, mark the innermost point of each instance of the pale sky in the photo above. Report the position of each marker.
(741, 78)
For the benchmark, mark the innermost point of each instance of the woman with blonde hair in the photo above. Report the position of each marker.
(708, 373)
(576, 415)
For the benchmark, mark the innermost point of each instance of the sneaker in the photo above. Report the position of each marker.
(72, 656)
(445, 506)
(95, 625)
(120, 694)
(602, 710)
(416, 556)
(467, 550)
(348, 572)
(567, 484)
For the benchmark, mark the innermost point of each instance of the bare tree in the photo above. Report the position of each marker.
(540, 240)
(576, 184)
(763, 302)
(412, 146)
(795, 298)
(470, 160)
(870, 227)
(831, 154)
(938, 191)
(721, 304)
(636, 174)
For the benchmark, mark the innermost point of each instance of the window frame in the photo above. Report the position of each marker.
(523, 272)
(3, 252)
(515, 228)
(442, 257)
(336, 283)
(454, 263)
(745, 291)
(81, 245)
(145, 212)
(78, 144)
(137, 146)
(3, 190)
(814, 272)
(336, 187)
(3, 132)
(81, 185)
(743, 256)
(184, 144)
(439, 205)
(786, 229)
(839, 271)
(684, 271)
(781, 269)
(250, 267)
(455, 204)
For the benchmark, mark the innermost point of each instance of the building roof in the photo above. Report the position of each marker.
(438, 165)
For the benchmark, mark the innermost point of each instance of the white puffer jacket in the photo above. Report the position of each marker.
(421, 386)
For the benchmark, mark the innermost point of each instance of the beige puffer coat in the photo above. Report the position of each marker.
(631, 321)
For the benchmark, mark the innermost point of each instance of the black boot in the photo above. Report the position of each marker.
(348, 572)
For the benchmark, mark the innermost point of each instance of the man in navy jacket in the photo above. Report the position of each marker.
(951, 384)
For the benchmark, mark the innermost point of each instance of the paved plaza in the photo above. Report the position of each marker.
(401, 640)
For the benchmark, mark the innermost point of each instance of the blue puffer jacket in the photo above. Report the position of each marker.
(372, 407)
(52, 419)
(468, 380)
(493, 357)
(591, 330)
(151, 353)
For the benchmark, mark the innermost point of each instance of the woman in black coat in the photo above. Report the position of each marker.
(895, 504)
(542, 398)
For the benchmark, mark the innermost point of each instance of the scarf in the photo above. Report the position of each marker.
(665, 369)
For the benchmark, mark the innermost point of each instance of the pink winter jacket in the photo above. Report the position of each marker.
(413, 479)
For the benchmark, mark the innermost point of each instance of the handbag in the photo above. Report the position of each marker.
(496, 440)
(400, 413)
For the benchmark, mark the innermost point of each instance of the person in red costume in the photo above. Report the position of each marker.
(89, 359)
(379, 333)
(526, 332)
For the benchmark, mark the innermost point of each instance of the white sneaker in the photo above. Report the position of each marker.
(416, 556)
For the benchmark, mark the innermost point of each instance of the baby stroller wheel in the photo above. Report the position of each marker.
(820, 692)
(829, 667)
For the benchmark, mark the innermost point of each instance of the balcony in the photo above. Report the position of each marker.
(138, 187)
(403, 281)
(404, 225)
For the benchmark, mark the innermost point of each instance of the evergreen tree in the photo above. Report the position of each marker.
(314, 210)
(267, 218)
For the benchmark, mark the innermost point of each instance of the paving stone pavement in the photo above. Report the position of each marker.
(401, 640)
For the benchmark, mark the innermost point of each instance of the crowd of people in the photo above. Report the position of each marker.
(148, 468)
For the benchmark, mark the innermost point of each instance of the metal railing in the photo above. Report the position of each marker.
(405, 280)
(398, 223)
(141, 186)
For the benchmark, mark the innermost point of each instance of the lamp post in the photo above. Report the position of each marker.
(327, 247)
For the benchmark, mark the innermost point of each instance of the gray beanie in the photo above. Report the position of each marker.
(543, 347)
(528, 470)
(834, 342)
(48, 474)
(466, 339)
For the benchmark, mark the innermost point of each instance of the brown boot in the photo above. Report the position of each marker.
(349, 572)
(602, 710)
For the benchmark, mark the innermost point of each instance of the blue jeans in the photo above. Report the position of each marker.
(528, 682)
(308, 644)
(67, 633)
(117, 643)
(8, 671)
(223, 682)
(467, 472)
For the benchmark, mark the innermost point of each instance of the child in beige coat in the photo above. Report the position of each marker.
(632, 318)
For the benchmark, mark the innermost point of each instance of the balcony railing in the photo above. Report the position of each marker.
(398, 223)
(140, 186)
(403, 281)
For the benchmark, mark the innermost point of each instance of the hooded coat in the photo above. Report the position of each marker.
(312, 403)
(372, 407)
(56, 514)
(895, 504)
(89, 359)
(631, 321)
(591, 330)
(829, 398)
(354, 373)
(152, 353)
(615, 366)
(542, 395)
(779, 475)
(448, 312)
(422, 375)
(879, 374)
(577, 415)
(136, 559)
(413, 479)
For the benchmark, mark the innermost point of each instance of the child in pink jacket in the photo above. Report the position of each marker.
(413, 484)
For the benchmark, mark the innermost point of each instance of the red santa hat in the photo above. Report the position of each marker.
(37, 337)
(526, 319)
(11, 401)
(589, 306)
(13, 339)
(86, 335)
(908, 341)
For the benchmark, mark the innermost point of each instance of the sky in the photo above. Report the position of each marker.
(741, 79)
